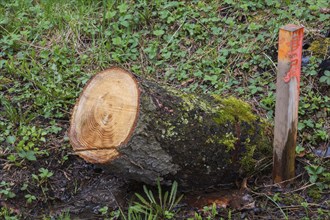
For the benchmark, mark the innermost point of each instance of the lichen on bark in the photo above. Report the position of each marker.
(197, 140)
(226, 127)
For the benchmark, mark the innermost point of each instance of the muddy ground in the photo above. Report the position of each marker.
(80, 190)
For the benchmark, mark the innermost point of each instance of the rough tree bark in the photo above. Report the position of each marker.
(143, 131)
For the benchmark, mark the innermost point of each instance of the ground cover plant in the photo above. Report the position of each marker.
(49, 49)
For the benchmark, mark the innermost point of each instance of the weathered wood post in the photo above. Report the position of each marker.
(287, 99)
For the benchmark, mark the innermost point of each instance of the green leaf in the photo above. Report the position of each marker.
(323, 78)
(11, 139)
(124, 23)
(110, 14)
(11, 158)
(35, 177)
(20, 144)
(320, 170)
(173, 194)
(141, 199)
(312, 178)
(30, 198)
(123, 8)
(165, 200)
(309, 123)
(30, 155)
(22, 154)
(310, 169)
(2, 63)
(30, 145)
(216, 30)
(159, 193)
(166, 55)
(117, 41)
(149, 194)
(24, 187)
(301, 126)
(158, 32)
(11, 195)
(299, 149)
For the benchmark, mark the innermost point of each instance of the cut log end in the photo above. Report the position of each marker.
(104, 115)
(144, 131)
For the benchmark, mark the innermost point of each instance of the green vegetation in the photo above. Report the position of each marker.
(6, 190)
(150, 207)
(50, 48)
(235, 111)
(210, 212)
(326, 78)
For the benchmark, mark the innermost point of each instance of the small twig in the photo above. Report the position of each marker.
(299, 206)
(32, 45)
(285, 216)
(5, 29)
(117, 203)
(301, 188)
(208, 30)
(289, 180)
(270, 60)
(174, 34)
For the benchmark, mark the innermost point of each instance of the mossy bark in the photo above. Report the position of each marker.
(198, 141)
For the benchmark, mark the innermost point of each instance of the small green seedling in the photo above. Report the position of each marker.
(326, 78)
(43, 175)
(5, 190)
(30, 198)
(104, 210)
(314, 172)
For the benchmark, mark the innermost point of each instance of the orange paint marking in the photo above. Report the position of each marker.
(295, 52)
(287, 100)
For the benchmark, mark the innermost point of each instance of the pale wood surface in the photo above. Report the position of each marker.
(104, 115)
(287, 99)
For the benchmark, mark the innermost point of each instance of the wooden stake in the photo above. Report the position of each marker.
(287, 99)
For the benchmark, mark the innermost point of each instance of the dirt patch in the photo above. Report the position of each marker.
(75, 186)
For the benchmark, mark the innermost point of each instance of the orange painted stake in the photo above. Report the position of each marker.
(287, 99)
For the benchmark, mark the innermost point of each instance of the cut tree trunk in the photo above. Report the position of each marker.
(143, 131)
